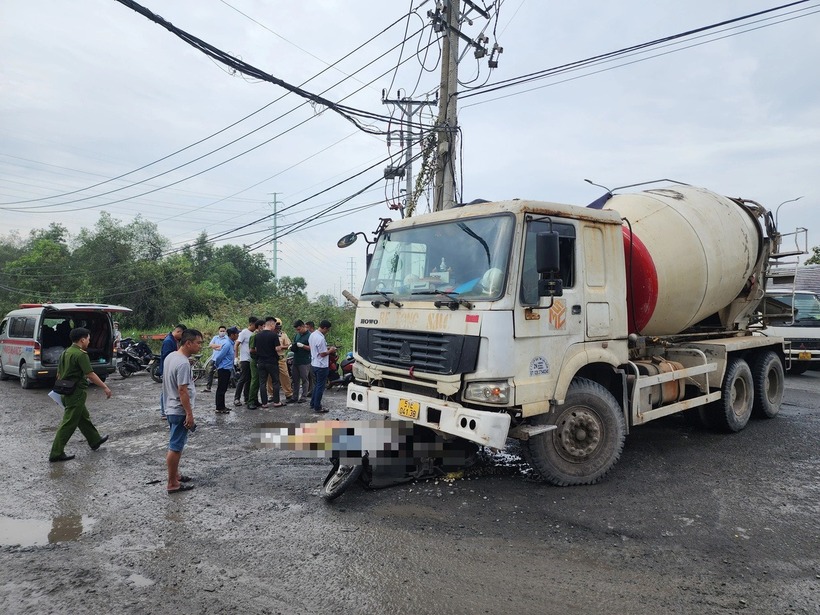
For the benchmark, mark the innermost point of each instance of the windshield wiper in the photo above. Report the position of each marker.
(387, 302)
(452, 304)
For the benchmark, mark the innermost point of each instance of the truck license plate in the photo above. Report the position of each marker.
(804, 355)
(408, 408)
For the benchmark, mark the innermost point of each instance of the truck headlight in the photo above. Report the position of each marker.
(359, 374)
(488, 392)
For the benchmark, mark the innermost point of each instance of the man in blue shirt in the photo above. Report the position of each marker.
(223, 362)
(169, 345)
(216, 343)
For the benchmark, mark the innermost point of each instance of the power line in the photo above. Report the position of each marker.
(349, 113)
(289, 42)
(627, 51)
(226, 128)
(74, 209)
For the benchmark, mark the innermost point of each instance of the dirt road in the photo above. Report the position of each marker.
(688, 522)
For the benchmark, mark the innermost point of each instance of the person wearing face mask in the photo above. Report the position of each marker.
(223, 359)
(216, 343)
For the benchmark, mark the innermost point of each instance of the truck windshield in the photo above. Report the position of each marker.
(466, 258)
(806, 308)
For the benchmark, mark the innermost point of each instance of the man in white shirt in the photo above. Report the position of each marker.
(243, 355)
(319, 363)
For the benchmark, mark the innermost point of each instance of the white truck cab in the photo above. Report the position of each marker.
(803, 332)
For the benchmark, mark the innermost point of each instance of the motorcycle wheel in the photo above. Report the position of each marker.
(155, 375)
(124, 370)
(339, 479)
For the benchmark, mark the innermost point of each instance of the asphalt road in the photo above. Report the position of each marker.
(688, 522)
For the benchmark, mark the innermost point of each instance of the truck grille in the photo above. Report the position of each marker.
(432, 353)
(805, 344)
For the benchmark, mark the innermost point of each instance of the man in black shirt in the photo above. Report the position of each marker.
(267, 361)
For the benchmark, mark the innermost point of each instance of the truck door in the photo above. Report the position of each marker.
(544, 335)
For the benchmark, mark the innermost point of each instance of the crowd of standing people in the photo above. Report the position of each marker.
(260, 352)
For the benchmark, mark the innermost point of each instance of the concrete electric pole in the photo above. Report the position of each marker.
(407, 138)
(447, 125)
(448, 21)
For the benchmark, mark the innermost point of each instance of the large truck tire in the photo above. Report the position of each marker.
(732, 411)
(769, 385)
(588, 439)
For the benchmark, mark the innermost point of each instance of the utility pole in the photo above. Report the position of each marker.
(275, 241)
(446, 20)
(409, 108)
(447, 125)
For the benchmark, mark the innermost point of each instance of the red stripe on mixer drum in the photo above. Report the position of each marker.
(642, 282)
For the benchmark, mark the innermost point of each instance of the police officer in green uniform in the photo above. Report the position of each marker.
(76, 366)
(253, 392)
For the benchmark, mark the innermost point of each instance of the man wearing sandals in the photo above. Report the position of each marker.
(180, 398)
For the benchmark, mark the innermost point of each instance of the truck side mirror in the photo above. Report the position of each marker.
(347, 241)
(547, 255)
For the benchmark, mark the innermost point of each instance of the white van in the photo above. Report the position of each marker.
(33, 337)
(804, 330)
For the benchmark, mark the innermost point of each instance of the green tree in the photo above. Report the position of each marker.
(289, 287)
(814, 259)
(37, 274)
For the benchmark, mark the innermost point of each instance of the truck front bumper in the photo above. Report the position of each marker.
(483, 427)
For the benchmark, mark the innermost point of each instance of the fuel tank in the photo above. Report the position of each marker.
(689, 253)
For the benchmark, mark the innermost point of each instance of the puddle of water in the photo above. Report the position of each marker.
(140, 581)
(38, 532)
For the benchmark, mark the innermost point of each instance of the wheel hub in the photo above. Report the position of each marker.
(580, 433)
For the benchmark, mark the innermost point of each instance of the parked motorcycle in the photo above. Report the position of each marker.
(340, 374)
(133, 357)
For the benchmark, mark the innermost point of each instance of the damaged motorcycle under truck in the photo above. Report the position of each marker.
(565, 327)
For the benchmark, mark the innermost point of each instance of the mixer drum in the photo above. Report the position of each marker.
(690, 254)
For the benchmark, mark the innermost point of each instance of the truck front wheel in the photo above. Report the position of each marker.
(769, 383)
(588, 439)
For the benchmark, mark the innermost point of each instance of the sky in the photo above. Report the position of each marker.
(95, 93)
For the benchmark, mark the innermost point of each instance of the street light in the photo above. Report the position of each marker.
(781, 205)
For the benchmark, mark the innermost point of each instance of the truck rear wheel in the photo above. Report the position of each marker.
(588, 439)
(769, 384)
(732, 411)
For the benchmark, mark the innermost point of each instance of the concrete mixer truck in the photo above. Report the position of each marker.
(565, 327)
